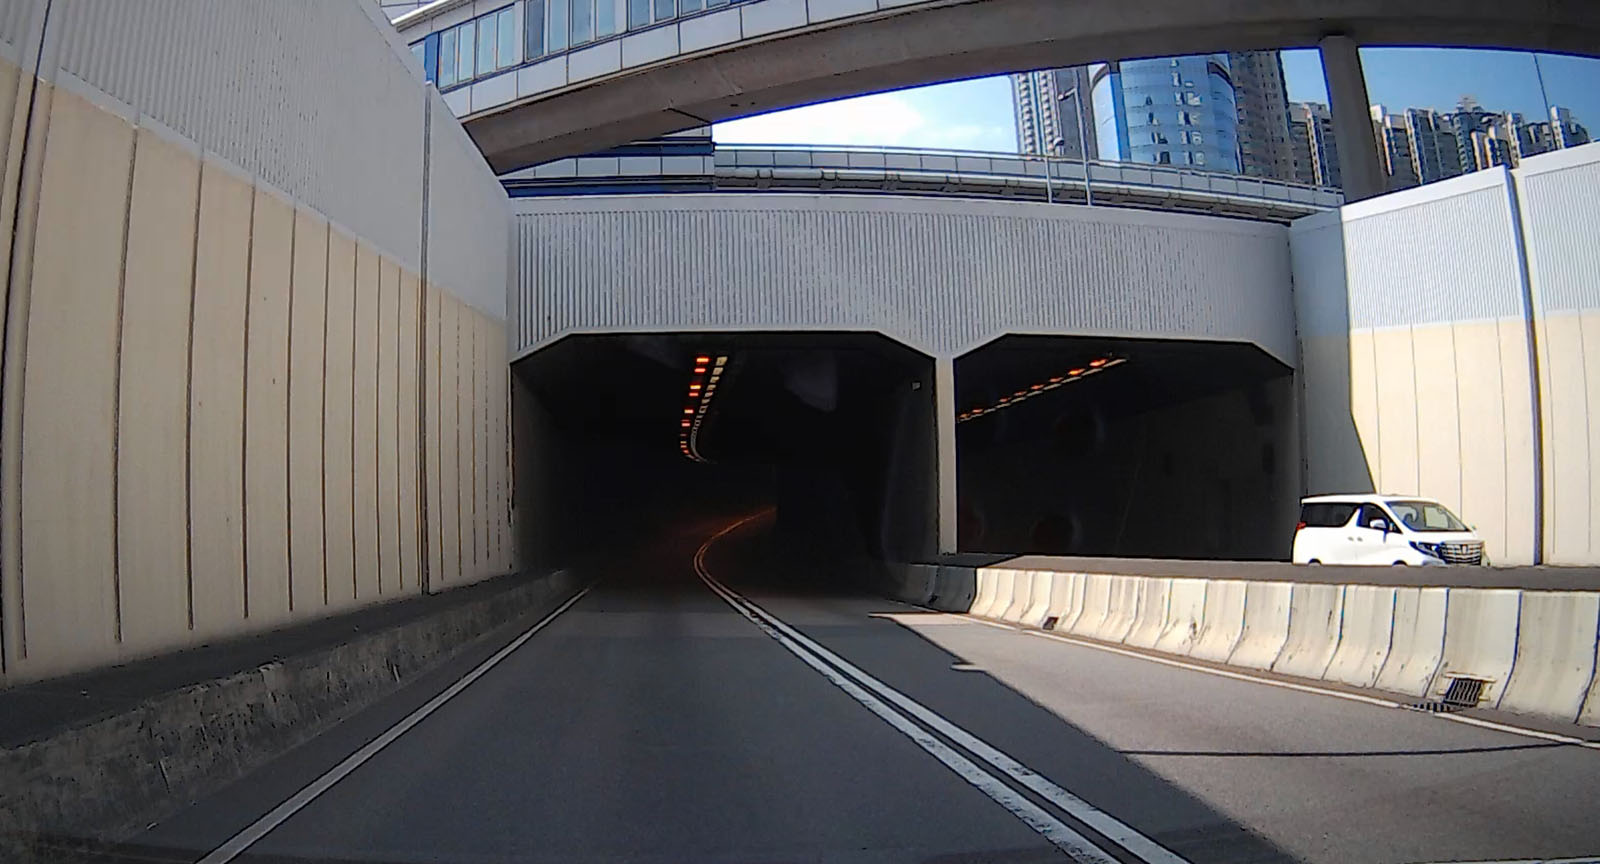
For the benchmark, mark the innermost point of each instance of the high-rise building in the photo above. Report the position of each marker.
(1045, 105)
(1567, 130)
(1394, 148)
(1434, 155)
(1167, 111)
(1469, 118)
(1315, 123)
(1262, 102)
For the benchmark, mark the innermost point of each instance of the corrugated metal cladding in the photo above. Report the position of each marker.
(943, 276)
(1445, 252)
(17, 19)
(1560, 213)
(306, 94)
(469, 218)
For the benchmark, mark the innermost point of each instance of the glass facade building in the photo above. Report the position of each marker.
(1168, 111)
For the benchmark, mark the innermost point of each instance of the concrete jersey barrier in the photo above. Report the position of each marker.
(1364, 636)
(1266, 625)
(1417, 640)
(1314, 619)
(1556, 638)
(1124, 607)
(1480, 640)
(1223, 624)
(1096, 605)
(1185, 610)
(1537, 651)
(1154, 595)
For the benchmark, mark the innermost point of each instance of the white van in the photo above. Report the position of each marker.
(1382, 529)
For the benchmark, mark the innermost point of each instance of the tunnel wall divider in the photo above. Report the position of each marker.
(1537, 651)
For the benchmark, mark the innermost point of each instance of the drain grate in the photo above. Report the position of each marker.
(1049, 623)
(1462, 693)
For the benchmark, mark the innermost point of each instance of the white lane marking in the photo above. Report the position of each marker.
(1056, 832)
(281, 813)
(1287, 685)
(804, 647)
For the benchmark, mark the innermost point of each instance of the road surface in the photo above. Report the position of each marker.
(741, 718)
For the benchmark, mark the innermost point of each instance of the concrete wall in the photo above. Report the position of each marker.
(1559, 196)
(1533, 649)
(942, 276)
(216, 326)
(1415, 354)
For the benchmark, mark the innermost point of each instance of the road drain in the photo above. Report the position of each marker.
(1049, 623)
(1462, 693)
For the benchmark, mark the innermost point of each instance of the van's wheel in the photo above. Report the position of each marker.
(1313, 563)
(1399, 563)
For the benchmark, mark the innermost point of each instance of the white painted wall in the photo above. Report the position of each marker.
(943, 276)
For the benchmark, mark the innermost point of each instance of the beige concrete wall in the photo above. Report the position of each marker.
(217, 396)
(1557, 194)
(1415, 356)
(1445, 410)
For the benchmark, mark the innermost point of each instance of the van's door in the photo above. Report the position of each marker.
(1368, 541)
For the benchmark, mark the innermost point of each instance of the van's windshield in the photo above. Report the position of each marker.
(1426, 516)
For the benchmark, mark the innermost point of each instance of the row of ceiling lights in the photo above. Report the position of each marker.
(697, 404)
(1093, 367)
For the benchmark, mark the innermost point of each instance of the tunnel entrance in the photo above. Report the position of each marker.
(1125, 447)
(618, 437)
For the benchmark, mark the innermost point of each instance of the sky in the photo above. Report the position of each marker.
(976, 114)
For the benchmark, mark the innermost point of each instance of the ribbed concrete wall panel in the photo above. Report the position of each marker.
(942, 276)
(1445, 252)
(304, 94)
(1560, 212)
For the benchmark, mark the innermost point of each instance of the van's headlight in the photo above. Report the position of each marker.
(1427, 548)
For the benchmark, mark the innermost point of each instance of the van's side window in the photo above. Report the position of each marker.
(1371, 513)
(1325, 514)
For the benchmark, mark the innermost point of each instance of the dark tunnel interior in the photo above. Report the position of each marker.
(619, 437)
(1126, 448)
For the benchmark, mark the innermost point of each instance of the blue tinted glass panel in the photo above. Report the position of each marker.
(687, 6)
(533, 28)
(558, 25)
(466, 34)
(582, 21)
(430, 60)
(605, 17)
(666, 9)
(638, 14)
(488, 38)
(507, 54)
(447, 58)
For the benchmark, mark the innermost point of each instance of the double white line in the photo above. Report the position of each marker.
(971, 758)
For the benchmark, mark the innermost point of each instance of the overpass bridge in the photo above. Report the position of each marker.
(353, 509)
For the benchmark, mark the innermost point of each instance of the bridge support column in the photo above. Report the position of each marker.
(944, 395)
(1359, 166)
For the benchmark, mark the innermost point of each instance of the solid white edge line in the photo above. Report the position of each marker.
(1377, 701)
(1058, 833)
(1111, 827)
(281, 813)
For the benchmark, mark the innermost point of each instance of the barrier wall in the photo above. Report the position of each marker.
(1266, 625)
(1535, 650)
(1222, 625)
(217, 331)
(1417, 641)
(1364, 636)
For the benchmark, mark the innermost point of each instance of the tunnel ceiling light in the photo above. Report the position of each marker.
(1097, 365)
(700, 394)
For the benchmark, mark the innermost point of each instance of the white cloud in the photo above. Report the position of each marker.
(878, 120)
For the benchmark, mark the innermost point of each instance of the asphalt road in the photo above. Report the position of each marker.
(659, 720)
